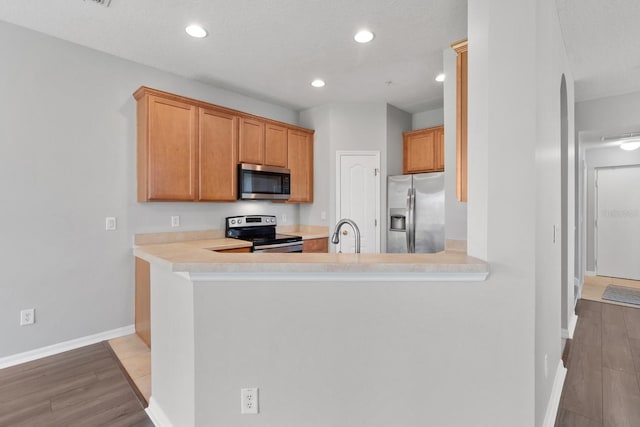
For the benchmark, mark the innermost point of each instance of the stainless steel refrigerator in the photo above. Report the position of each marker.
(415, 213)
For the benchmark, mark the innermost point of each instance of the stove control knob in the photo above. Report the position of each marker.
(233, 221)
(239, 220)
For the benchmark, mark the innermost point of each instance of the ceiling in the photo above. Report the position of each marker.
(273, 49)
(602, 39)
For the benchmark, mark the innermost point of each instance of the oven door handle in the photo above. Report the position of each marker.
(277, 245)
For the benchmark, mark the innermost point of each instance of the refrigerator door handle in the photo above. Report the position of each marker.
(409, 217)
(411, 224)
(413, 221)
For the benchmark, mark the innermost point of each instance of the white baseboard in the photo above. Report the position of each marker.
(50, 350)
(590, 273)
(571, 327)
(554, 399)
(157, 415)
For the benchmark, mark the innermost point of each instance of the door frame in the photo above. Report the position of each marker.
(349, 153)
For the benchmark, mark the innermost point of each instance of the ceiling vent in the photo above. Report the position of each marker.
(104, 3)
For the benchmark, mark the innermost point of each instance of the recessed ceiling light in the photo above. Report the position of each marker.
(440, 77)
(630, 145)
(196, 31)
(363, 36)
(318, 83)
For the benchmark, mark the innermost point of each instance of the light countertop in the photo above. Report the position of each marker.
(199, 256)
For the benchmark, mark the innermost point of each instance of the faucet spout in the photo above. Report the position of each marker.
(335, 237)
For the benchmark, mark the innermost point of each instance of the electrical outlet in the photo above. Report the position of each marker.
(110, 223)
(248, 400)
(27, 317)
(284, 218)
(175, 221)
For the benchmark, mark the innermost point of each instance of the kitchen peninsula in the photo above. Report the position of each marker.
(225, 321)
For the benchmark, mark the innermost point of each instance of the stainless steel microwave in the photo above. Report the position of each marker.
(263, 182)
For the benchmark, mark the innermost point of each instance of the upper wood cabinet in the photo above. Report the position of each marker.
(275, 145)
(189, 150)
(262, 143)
(300, 162)
(251, 144)
(218, 133)
(167, 149)
(461, 119)
(423, 150)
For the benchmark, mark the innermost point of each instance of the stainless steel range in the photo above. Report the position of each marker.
(261, 231)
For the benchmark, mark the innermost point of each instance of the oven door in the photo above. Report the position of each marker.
(290, 247)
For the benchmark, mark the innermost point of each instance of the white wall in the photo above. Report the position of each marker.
(398, 121)
(614, 114)
(516, 61)
(319, 118)
(550, 284)
(431, 118)
(502, 179)
(373, 354)
(67, 160)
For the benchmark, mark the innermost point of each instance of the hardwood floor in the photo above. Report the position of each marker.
(82, 387)
(602, 387)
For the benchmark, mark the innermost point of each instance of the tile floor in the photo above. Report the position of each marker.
(135, 356)
(594, 287)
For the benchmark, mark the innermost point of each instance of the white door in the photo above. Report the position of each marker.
(358, 199)
(618, 222)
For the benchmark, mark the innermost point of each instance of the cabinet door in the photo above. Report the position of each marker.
(300, 162)
(316, 245)
(423, 150)
(218, 136)
(419, 153)
(169, 150)
(251, 144)
(275, 146)
(439, 148)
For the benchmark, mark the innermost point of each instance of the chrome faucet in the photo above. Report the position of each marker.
(335, 238)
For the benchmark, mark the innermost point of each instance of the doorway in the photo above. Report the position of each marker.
(358, 198)
(617, 222)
